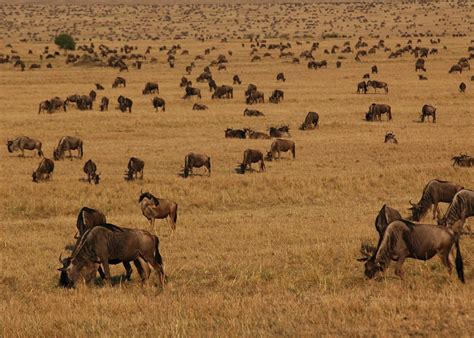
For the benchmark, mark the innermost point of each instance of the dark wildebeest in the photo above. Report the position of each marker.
(151, 87)
(23, 142)
(68, 143)
(160, 208)
(198, 106)
(462, 87)
(460, 209)
(376, 110)
(311, 121)
(158, 103)
(420, 66)
(255, 96)
(234, 133)
(104, 103)
(252, 156)
(279, 131)
(90, 169)
(463, 160)
(434, 192)
(375, 70)
(281, 77)
(56, 103)
(43, 106)
(256, 135)
(93, 95)
(378, 84)
(98, 86)
(277, 96)
(455, 68)
(338, 64)
(422, 77)
(362, 87)
(124, 104)
(403, 239)
(191, 91)
(134, 166)
(386, 216)
(250, 88)
(253, 112)
(212, 85)
(223, 91)
(87, 219)
(390, 138)
(204, 77)
(109, 244)
(84, 102)
(236, 80)
(119, 81)
(184, 82)
(278, 146)
(193, 160)
(44, 171)
(428, 111)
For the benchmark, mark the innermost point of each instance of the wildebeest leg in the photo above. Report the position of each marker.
(105, 264)
(436, 210)
(398, 267)
(128, 270)
(445, 259)
(143, 269)
(70, 154)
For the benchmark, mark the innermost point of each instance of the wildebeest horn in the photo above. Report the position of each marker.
(61, 257)
(412, 204)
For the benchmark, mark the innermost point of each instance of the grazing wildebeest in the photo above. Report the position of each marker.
(252, 156)
(68, 143)
(110, 244)
(87, 219)
(98, 86)
(422, 77)
(160, 208)
(281, 77)
(278, 146)
(184, 82)
(158, 103)
(235, 133)
(311, 121)
(236, 80)
(462, 87)
(151, 87)
(198, 106)
(44, 170)
(386, 216)
(90, 168)
(463, 160)
(253, 112)
(256, 135)
(193, 160)
(84, 102)
(377, 109)
(212, 85)
(255, 96)
(378, 84)
(375, 70)
(119, 81)
(134, 166)
(403, 239)
(124, 104)
(428, 111)
(277, 96)
(191, 91)
(434, 192)
(455, 68)
(204, 77)
(104, 103)
(24, 142)
(460, 209)
(223, 91)
(250, 88)
(282, 131)
(362, 87)
(390, 138)
(43, 106)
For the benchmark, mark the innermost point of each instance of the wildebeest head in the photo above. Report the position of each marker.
(269, 156)
(57, 154)
(372, 267)
(415, 211)
(35, 177)
(70, 272)
(95, 178)
(9, 146)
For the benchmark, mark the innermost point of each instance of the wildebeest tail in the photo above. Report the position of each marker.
(459, 262)
(175, 216)
(294, 150)
(81, 149)
(157, 255)
(80, 222)
(186, 166)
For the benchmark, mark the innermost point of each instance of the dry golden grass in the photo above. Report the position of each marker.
(256, 254)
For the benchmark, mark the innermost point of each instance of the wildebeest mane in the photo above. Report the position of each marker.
(149, 196)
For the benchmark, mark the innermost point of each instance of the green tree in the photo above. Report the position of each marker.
(65, 41)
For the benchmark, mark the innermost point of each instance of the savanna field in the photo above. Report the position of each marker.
(259, 254)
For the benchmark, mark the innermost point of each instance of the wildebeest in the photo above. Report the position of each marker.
(362, 87)
(151, 87)
(234, 133)
(87, 219)
(278, 146)
(24, 142)
(160, 208)
(455, 68)
(386, 216)
(280, 77)
(462, 87)
(68, 143)
(377, 109)
(125, 103)
(223, 91)
(134, 167)
(204, 77)
(98, 86)
(44, 171)
(390, 138)
(43, 106)
(236, 80)
(252, 156)
(52, 105)
(191, 91)
(253, 112)
(311, 121)
(119, 81)
(93, 95)
(184, 82)
(198, 106)
(255, 135)
(250, 88)
(460, 209)
(104, 103)
(434, 192)
(212, 85)
(374, 69)
(109, 244)
(422, 77)
(193, 160)
(428, 111)
(377, 84)
(463, 160)
(159, 103)
(282, 131)
(255, 96)
(277, 96)
(403, 239)
(90, 168)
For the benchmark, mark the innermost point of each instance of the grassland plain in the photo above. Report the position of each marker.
(256, 254)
